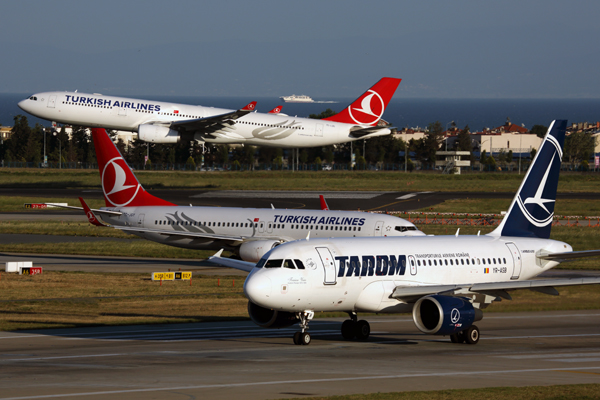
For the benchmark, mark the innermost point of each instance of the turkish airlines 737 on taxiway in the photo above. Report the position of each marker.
(249, 232)
(444, 281)
(160, 122)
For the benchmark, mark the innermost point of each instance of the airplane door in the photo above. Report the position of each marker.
(328, 265)
(141, 220)
(378, 228)
(261, 227)
(52, 102)
(319, 130)
(516, 256)
(270, 227)
(413, 265)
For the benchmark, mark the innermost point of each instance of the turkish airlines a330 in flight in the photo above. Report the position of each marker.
(161, 122)
(249, 232)
(444, 281)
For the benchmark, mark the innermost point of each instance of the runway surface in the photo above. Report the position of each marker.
(239, 360)
(368, 201)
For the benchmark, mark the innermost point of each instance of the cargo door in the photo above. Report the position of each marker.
(319, 130)
(52, 102)
(141, 220)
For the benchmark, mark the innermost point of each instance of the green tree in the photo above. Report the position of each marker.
(539, 130)
(325, 114)
(463, 140)
(579, 146)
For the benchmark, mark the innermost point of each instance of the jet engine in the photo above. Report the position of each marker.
(444, 315)
(157, 134)
(266, 318)
(254, 250)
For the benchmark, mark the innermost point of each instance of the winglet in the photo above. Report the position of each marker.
(276, 110)
(324, 205)
(90, 214)
(217, 254)
(532, 209)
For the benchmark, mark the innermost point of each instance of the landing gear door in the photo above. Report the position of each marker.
(516, 257)
(378, 229)
(328, 265)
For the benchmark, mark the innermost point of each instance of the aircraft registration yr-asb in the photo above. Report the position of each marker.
(249, 232)
(160, 122)
(444, 281)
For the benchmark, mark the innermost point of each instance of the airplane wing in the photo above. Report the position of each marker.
(360, 132)
(214, 123)
(230, 262)
(98, 211)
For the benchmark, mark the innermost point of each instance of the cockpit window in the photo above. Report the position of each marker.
(288, 264)
(273, 264)
(33, 98)
(406, 228)
(299, 264)
(261, 263)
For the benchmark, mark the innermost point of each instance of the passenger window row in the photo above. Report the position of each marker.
(462, 261)
(327, 227)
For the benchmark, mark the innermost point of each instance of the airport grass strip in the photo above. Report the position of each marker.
(558, 392)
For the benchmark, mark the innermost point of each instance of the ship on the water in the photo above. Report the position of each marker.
(297, 99)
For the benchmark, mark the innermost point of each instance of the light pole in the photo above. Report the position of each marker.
(59, 150)
(45, 161)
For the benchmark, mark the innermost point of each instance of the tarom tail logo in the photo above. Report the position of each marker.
(537, 209)
(370, 111)
(119, 187)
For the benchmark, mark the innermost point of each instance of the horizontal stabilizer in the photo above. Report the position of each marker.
(359, 132)
(571, 255)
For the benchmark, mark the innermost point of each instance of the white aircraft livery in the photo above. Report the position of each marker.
(160, 122)
(249, 232)
(444, 281)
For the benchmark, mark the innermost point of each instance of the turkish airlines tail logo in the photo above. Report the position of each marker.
(368, 109)
(120, 186)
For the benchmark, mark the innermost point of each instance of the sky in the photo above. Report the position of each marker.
(324, 49)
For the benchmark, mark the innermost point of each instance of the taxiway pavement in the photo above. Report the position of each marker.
(239, 360)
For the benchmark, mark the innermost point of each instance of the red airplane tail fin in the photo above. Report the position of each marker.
(369, 107)
(324, 205)
(120, 186)
(276, 110)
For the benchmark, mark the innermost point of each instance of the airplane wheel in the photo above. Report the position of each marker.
(304, 339)
(297, 338)
(348, 329)
(362, 330)
(472, 335)
(454, 338)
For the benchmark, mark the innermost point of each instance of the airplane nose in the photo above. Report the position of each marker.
(23, 104)
(257, 288)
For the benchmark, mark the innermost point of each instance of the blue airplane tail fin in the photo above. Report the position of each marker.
(532, 210)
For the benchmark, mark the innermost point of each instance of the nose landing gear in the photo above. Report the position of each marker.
(303, 337)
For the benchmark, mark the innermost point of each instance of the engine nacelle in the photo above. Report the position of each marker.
(254, 250)
(157, 134)
(266, 318)
(444, 315)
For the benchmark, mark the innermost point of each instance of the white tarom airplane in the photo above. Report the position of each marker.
(250, 232)
(444, 281)
(160, 122)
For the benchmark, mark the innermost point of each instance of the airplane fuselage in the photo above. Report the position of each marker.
(128, 114)
(352, 274)
(253, 224)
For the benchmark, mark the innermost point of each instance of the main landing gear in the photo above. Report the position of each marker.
(303, 337)
(469, 335)
(351, 328)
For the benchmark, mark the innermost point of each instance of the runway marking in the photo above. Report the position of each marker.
(549, 355)
(64, 357)
(303, 381)
(580, 372)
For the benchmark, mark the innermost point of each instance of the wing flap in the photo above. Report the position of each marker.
(361, 132)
